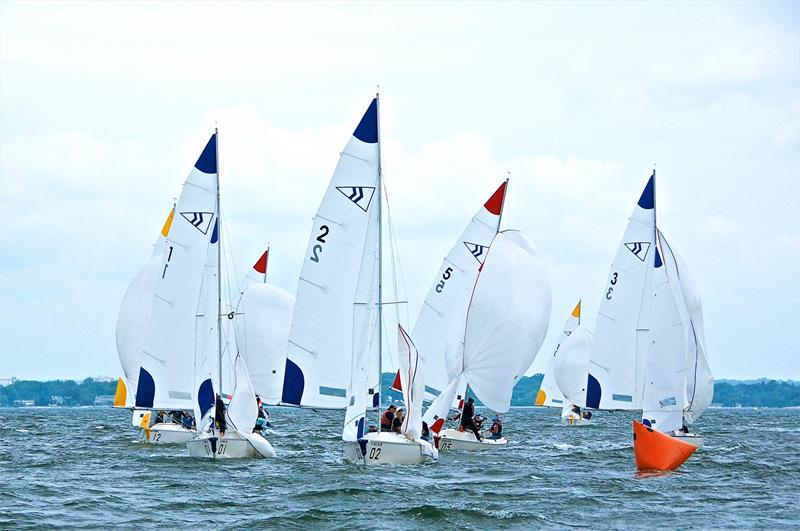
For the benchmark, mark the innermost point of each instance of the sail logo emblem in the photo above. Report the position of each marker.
(567, 333)
(476, 250)
(639, 249)
(200, 220)
(360, 195)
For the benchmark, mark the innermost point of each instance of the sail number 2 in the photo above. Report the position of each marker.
(611, 287)
(317, 249)
(445, 277)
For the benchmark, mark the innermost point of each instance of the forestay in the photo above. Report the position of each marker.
(336, 309)
(166, 378)
(549, 395)
(439, 329)
(621, 339)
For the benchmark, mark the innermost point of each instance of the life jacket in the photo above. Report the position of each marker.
(387, 418)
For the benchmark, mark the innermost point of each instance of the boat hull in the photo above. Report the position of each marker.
(451, 439)
(228, 447)
(388, 448)
(168, 433)
(575, 421)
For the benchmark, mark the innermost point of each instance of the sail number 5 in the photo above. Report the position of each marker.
(323, 233)
(445, 277)
(611, 287)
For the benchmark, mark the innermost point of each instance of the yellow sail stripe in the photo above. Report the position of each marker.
(121, 394)
(541, 396)
(145, 424)
(168, 223)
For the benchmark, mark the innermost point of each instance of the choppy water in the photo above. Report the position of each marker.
(85, 467)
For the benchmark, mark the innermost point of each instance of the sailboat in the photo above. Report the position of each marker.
(382, 447)
(549, 395)
(262, 320)
(570, 375)
(506, 322)
(678, 384)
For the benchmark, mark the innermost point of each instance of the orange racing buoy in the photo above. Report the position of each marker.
(658, 451)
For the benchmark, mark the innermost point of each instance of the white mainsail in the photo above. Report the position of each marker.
(622, 332)
(678, 385)
(262, 321)
(507, 321)
(571, 367)
(166, 377)
(134, 313)
(439, 329)
(549, 395)
(336, 307)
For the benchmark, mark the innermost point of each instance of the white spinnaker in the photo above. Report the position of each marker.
(411, 379)
(327, 311)
(507, 318)
(678, 384)
(134, 313)
(665, 382)
(572, 365)
(699, 381)
(439, 329)
(169, 349)
(622, 332)
(263, 320)
(549, 395)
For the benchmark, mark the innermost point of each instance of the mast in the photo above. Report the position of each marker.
(380, 255)
(219, 273)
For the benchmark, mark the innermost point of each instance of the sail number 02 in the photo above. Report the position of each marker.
(323, 233)
(611, 287)
(374, 453)
(445, 277)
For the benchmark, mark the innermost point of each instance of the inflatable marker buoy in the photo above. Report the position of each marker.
(658, 451)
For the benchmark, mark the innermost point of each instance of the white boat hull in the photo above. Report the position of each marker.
(231, 446)
(169, 433)
(388, 448)
(575, 421)
(691, 438)
(451, 439)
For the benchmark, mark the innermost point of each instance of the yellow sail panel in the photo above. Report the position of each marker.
(576, 313)
(145, 424)
(168, 223)
(541, 396)
(121, 395)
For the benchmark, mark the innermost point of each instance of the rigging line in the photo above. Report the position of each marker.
(397, 264)
(321, 414)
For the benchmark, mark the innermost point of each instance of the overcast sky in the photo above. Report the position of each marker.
(106, 106)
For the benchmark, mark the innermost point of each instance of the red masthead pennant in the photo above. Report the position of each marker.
(261, 265)
(495, 203)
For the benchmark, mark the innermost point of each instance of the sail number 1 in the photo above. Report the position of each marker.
(610, 291)
(317, 249)
(445, 277)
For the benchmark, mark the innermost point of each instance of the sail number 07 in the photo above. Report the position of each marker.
(317, 249)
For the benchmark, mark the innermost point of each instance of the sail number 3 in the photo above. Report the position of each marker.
(317, 249)
(611, 287)
(445, 277)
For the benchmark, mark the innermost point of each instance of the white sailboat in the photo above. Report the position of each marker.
(183, 318)
(570, 375)
(622, 333)
(678, 385)
(262, 321)
(382, 447)
(506, 321)
(549, 395)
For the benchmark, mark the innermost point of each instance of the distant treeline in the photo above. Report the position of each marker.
(761, 393)
(56, 392)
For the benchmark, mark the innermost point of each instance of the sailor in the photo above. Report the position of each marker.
(187, 421)
(426, 433)
(467, 418)
(160, 417)
(388, 417)
(497, 427)
(219, 416)
(397, 423)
